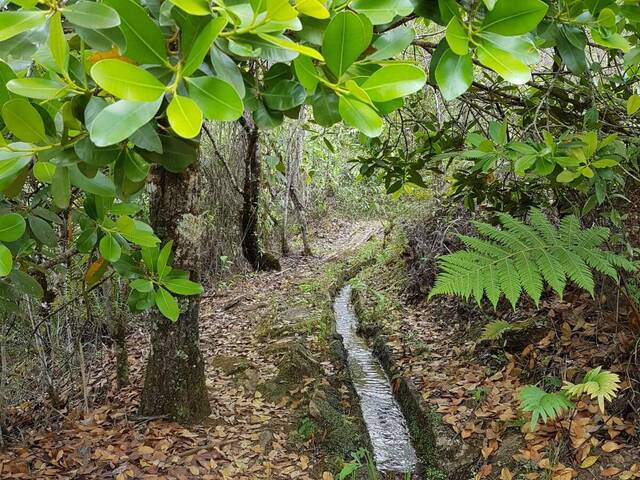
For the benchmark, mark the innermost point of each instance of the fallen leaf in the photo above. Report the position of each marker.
(589, 461)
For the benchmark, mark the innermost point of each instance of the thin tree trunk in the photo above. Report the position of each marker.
(119, 332)
(306, 246)
(257, 258)
(174, 384)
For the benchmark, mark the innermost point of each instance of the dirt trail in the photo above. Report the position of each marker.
(246, 437)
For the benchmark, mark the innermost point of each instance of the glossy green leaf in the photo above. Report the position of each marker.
(227, 70)
(217, 99)
(380, 12)
(6, 261)
(13, 23)
(142, 285)
(306, 73)
(284, 95)
(504, 63)
(289, 45)
(325, 107)
(359, 115)
(633, 104)
(610, 40)
(127, 81)
(145, 42)
(185, 117)
(121, 119)
(58, 43)
(312, 8)
(39, 88)
(392, 43)
(454, 74)
(44, 171)
(26, 284)
(182, 286)
(394, 81)
(12, 226)
(162, 263)
(509, 17)
(24, 121)
(91, 15)
(346, 37)
(202, 44)
(110, 248)
(457, 37)
(99, 184)
(167, 304)
(61, 187)
(193, 7)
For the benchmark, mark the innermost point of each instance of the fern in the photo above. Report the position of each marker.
(598, 384)
(542, 404)
(495, 330)
(520, 257)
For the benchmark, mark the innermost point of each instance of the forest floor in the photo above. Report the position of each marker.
(257, 332)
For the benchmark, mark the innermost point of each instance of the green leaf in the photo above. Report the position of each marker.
(185, 117)
(510, 17)
(359, 115)
(42, 231)
(542, 404)
(24, 121)
(457, 37)
(12, 226)
(177, 153)
(380, 12)
(284, 95)
(142, 285)
(598, 384)
(495, 330)
(182, 286)
(266, 118)
(610, 40)
(454, 74)
(120, 120)
(145, 42)
(394, 81)
(6, 261)
(136, 232)
(40, 88)
(306, 73)
(13, 23)
(216, 98)
(91, 15)
(57, 43)
(44, 171)
(312, 8)
(503, 63)
(61, 187)
(127, 81)
(167, 304)
(567, 176)
(26, 284)
(193, 7)
(346, 37)
(162, 266)
(289, 45)
(325, 107)
(392, 43)
(110, 248)
(99, 184)
(633, 104)
(227, 70)
(202, 44)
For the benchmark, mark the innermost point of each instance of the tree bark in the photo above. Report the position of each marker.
(257, 258)
(174, 383)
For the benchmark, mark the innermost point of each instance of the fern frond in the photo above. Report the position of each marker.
(598, 384)
(495, 330)
(542, 404)
(518, 257)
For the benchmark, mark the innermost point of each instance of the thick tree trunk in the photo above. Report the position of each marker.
(174, 383)
(251, 249)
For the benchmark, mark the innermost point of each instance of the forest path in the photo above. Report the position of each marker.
(246, 436)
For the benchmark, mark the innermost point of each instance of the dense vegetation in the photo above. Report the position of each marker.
(150, 148)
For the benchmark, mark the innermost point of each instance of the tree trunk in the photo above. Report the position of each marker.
(251, 249)
(174, 384)
(306, 246)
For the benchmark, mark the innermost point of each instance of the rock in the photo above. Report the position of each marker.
(230, 364)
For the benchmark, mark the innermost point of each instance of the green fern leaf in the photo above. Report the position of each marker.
(517, 257)
(598, 384)
(542, 404)
(495, 330)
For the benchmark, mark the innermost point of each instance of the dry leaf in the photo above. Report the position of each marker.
(611, 446)
(589, 461)
(610, 471)
(506, 474)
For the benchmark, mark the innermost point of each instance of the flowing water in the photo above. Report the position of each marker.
(387, 427)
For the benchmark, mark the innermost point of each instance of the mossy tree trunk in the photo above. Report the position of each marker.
(174, 384)
(251, 249)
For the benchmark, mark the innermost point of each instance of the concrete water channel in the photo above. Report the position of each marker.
(387, 427)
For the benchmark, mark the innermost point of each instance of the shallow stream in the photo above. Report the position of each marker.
(387, 427)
